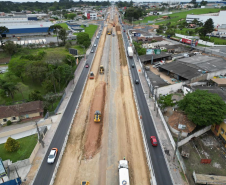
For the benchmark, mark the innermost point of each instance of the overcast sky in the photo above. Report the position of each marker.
(109, 0)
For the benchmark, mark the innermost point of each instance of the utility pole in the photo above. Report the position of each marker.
(155, 95)
(178, 138)
(39, 136)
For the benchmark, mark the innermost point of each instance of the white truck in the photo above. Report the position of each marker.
(123, 172)
(130, 51)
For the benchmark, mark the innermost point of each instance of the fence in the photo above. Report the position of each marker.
(196, 134)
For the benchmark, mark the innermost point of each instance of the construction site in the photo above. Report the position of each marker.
(106, 126)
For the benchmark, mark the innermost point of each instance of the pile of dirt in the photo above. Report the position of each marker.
(94, 131)
(123, 61)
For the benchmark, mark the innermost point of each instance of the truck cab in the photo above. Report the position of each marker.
(123, 172)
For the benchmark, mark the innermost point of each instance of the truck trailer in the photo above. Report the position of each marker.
(130, 51)
(188, 41)
(123, 172)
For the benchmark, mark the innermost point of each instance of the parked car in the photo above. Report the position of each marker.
(153, 141)
(87, 65)
(52, 155)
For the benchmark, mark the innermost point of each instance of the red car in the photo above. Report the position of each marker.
(124, 30)
(153, 141)
(87, 65)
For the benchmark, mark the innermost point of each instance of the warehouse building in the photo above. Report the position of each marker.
(218, 18)
(29, 28)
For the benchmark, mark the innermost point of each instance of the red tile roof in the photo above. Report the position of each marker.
(21, 109)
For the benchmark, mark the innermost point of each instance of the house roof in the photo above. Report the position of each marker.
(206, 63)
(219, 81)
(21, 109)
(156, 80)
(186, 71)
(146, 58)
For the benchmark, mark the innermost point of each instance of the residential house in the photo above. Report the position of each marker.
(15, 113)
(220, 131)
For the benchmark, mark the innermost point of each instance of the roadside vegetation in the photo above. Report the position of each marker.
(40, 73)
(26, 144)
(91, 29)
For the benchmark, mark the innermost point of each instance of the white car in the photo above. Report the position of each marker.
(98, 37)
(94, 45)
(52, 155)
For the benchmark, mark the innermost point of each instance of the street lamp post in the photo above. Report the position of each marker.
(155, 93)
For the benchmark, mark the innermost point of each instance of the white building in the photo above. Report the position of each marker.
(219, 19)
(91, 15)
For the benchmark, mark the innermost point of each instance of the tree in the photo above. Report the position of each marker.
(71, 16)
(67, 46)
(84, 17)
(203, 3)
(208, 27)
(165, 101)
(9, 47)
(170, 32)
(8, 87)
(35, 95)
(11, 145)
(3, 30)
(86, 44)
(203, 108)
(82, 37)
(55, 28)
(63, 35)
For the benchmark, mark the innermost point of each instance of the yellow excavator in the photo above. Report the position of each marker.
(101, 69)
(85, 183)
(97, 116)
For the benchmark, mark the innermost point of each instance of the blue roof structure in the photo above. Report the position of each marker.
(28, 30)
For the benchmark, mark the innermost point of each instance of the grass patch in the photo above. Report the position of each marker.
(90, 30)
(182, 15)
(3, 55)
(218, 41)
(64, 25)
(27, 145)
(183, 176)
(79, 48)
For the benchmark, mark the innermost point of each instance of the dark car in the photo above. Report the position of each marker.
(153, 141)
(137, 81)
(132, 65)
(87, 65)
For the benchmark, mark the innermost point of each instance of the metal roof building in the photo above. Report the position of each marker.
(27, 28)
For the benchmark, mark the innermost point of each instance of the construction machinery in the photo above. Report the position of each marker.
(91, 75)
(85, 183)
(97, 116)
(109, 31)
(101, 69)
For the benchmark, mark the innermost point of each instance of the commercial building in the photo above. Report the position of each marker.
(29, 28)
(195, 68)
(218, 18)
(91, 15)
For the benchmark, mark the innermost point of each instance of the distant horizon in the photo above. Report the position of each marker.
(49, 1)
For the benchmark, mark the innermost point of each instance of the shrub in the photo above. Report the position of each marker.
(67, 46)
(9, 122)
(11, 145)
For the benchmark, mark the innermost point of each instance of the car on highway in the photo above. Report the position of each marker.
(153, 141)
(87, 65)
(132, 65)
(137, 81)
(52, 155)
(91, 51)
(94, 45)
(124, 30)
(98, 37)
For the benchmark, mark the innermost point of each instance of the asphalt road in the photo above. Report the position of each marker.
(159, 164)
(46, 170)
